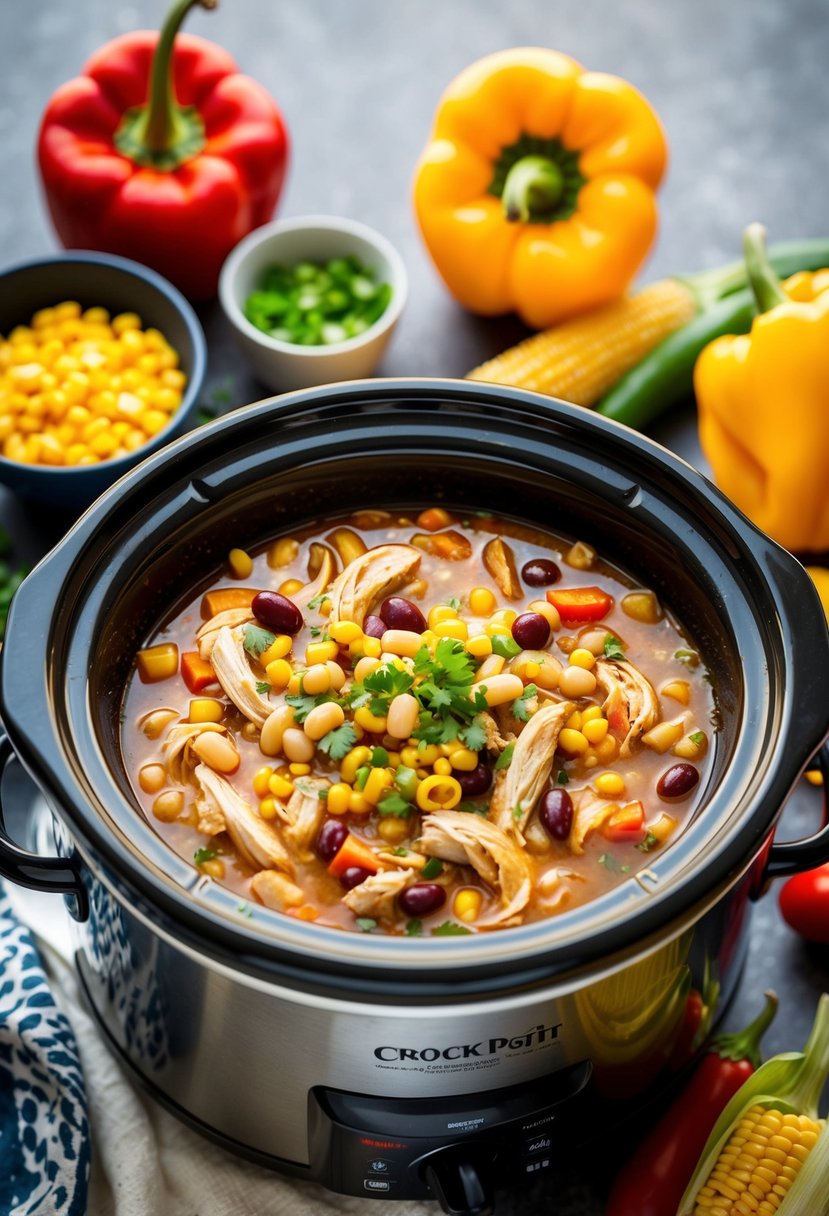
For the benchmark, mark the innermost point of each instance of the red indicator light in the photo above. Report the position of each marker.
(381, 1143)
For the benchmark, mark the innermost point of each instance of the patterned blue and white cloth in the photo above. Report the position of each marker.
(44, 1127)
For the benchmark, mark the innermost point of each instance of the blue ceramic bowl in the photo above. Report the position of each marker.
(118, 285)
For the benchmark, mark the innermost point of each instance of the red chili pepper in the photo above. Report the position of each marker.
(804, 902)
(653, 1180)
(580, 603)
(163, 152)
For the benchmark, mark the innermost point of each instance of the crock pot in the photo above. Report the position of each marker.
(380, 1066)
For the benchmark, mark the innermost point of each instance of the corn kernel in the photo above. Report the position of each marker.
(581, 657)
(260, 781)
(451, 629)
(337, 801)
(358, 805)
(482, 601)
(467, 903)
(410, 757)
(280, 787)
(479, 646)
(594, 729)
(279, 673)
(392, 829)
(441, 612)
(356, 758)
(463, 759)
(214, 866)
(575, 720)
(369, 721)
(371, 648)
(278, 649)
(291, 586)
(267, 808)
(345, 632)
(496, 629)
(442, 766)
(607, 749)
(505, 616)
(609, 785)
(282, 552)
(321, 652)
(572, 741)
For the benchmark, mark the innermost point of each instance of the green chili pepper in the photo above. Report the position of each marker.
(316, 305)
(727, 306)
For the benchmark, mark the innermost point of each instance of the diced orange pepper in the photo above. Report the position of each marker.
(452, 546)
(433, 519)
(157, 662)
(196, 672)
(353, 852)
(627, 824)
(580, 603)
(222, 598)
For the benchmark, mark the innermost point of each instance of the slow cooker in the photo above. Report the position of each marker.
(380, 1066)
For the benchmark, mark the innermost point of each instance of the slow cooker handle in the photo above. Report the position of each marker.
(793, 856)
(52, 875)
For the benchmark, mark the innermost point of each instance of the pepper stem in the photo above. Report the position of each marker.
(745, 1044)
(162, 133)
(532, 190)
(763, 281)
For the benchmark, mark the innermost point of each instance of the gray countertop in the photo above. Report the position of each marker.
(742, 90)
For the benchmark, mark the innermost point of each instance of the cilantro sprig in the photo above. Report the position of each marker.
(520, 706)
(338, 742)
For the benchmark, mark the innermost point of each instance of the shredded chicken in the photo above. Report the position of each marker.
(231, 618)
(631, 705)
(233, 672)
(467, 839)
(255, 838)
(324, 576)
(276, 891)
(375, 896)
(499, 560)
(555, 888)
(589, 813)
(495, 741)
(368, 578)
(304, 813)
(179, 757)
(529, 770)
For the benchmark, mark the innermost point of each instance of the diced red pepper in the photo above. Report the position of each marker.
(196, 672)
(627, 824)
(580, 603)
(353, 852)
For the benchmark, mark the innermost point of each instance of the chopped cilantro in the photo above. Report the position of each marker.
(302, 703)
(450, 929)
(689, 657)
(610, 863)
(244, 909)
(446, 692)
(365, 924)
(505, 645)
(520, 708)
(562, 778)
(318, 599)
(400, 850)
(473, 736)
(517, 812)
(697, 737)
(394, 804)
(323, 794)
(379, 757)
(315, 631)
(505, 757)
(433, 867)
(380, 687)
(338, 742)
(613, 648)
(263, 687)
(414, 928)
(256, 639)
(202, 855)
(650, 842)
(454, 602)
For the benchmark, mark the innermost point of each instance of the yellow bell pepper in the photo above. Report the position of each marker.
(762, 399)
(535, 193)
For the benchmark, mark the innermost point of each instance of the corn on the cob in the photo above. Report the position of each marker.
(761, 1157)
(582, 359)
(758, 1164)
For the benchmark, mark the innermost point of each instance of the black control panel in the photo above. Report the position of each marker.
(449, 1149)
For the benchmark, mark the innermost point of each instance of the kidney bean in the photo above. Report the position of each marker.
(677, 782)
(402, 614)
(540, 572)
(556, 813)
(374, 627)
(475, 782)
(331, 837)
(353, 876)
(422, 898)
(531, 631)
(277, 613)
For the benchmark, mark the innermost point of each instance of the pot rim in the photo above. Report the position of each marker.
(783, 720)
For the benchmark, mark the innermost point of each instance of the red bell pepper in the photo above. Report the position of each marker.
(580, 603)
(653, 1180)
(162, 152)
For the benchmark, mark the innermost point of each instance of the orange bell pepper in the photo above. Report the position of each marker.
(535, 193)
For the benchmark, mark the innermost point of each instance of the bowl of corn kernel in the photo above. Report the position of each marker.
(101, 362)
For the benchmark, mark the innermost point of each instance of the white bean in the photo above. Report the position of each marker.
(275, 725)
(217, 751)
(323, 718)
(402, 717)
(502, 688)
(577, 682)
(297, 746)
